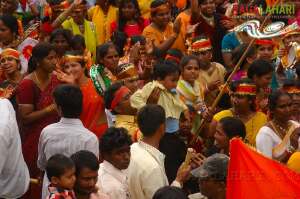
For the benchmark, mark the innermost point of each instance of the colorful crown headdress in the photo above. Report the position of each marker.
(200, 46)
(245, 89)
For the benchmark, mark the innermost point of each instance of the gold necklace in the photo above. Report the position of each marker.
(36, 78)
(209, 20)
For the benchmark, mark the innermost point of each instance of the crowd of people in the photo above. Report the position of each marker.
(137, 99)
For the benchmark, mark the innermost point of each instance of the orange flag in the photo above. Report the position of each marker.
(253, 176)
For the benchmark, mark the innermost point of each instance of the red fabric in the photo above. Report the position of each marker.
(29, 93)
(131, 30)
(254, 176)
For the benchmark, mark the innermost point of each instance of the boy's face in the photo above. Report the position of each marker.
(204, 57)
(67, 180)
(263, 81)
(185, 126)
(119, 157)
(170, 81)
(86, 181)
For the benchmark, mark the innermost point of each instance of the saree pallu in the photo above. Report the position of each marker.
(93, 114)
(29, 93)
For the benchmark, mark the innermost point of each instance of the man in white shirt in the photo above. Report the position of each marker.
(14, 175)
(146, 171)
(115, 150)
(68, 135)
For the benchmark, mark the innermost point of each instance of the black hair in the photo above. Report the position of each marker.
(186, 59)
(273, 98)
(234, 85)
(122, 20)
(155, 4)
(238, 52)
(102, 50)
(39, 52)
(110, 93)
(259, 68)
(114, 138)
(67, 34)
(57, 165)
(77, 40)
(69, 99)
(119, 39)
(149, 119)
(170, 192)
(233, 127)
(297, 67)
(54, 2)
(11, 23)
(137, 38)
(165, 68)
(85, 159)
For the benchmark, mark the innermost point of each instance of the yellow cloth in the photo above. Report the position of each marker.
(145, 8)
(157, 36)
(90, 34)
(206, 77)
(294, 162)
(170, 102)
(128, 122)
(102, 21)
(252, 126)
(180, 41)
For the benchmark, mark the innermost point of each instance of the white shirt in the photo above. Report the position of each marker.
(113, 181)
(66, 137)
(146, 171)
(14, 175)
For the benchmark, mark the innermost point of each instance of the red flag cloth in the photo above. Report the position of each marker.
(253, 176)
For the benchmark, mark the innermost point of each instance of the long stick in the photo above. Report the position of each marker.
(235, 69)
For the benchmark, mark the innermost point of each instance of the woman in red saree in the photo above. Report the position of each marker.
(34, 96)
(93, 115)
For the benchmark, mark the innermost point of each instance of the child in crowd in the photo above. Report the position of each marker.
(189, 88)
(115, 151)
(162, 91)
(117, 101)
(260, 72)
(61, 173)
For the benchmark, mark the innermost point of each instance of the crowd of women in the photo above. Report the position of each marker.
(177, 54)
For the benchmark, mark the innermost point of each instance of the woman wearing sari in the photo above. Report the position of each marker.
(243, 94)
(278, 138)
(36, 108)
(93, 116)
(102, 15)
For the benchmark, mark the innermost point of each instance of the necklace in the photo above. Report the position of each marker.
(37, 79)
(279, 130)
(209, 20)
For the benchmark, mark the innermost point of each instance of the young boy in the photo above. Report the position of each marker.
(61, 173)
(162, 91)
(115, 150)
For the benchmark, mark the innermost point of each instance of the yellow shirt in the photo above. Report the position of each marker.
(252, 125)
(102, 21)
(170, 102)
(157, 36)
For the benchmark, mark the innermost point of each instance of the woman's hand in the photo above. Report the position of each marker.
(64, 77)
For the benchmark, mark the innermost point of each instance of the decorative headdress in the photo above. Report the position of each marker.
(9, 52)
(293, 89)
(200, 46)
(293, 32)
(245, 89)
(126, 71)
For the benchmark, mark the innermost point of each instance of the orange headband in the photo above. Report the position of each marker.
(9, 52)
(264, 42)
(118, 96)
(245, 89)
(201, 45)
(163, 7)
(173, 58)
